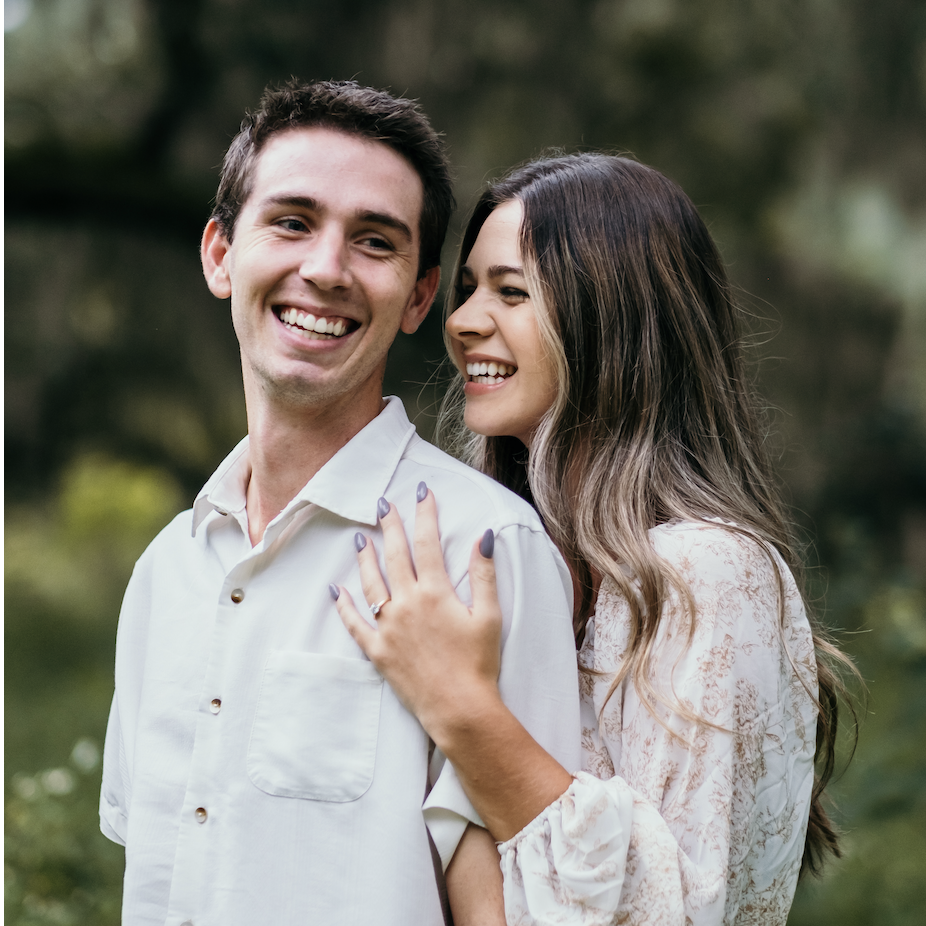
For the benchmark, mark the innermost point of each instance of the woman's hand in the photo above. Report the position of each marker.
(439, 656)
(442, 659)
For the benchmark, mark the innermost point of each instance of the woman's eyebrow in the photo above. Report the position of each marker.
(499, 270)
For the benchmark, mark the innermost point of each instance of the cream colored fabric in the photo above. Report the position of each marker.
(694, 826)
(257, 768)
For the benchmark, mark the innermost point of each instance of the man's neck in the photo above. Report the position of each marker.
(287, 447)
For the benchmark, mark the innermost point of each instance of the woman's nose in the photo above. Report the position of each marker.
(470, 320)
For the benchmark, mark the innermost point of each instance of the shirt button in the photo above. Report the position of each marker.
(201, 814)
(215, 705)
(237, 595)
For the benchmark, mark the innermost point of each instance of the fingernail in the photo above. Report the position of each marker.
(334, 591)
(382, 508)
(422, 493)
(359, 541)
(487, 544)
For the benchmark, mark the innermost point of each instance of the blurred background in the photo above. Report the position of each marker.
(797, 126)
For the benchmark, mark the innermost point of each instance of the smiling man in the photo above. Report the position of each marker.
(257, 768)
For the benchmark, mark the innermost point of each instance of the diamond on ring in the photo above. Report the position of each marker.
(376, 608)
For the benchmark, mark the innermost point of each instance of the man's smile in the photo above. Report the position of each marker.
(315, 328)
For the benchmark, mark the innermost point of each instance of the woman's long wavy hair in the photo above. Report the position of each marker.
(655, 418)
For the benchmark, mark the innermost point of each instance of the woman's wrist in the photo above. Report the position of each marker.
(507, 775)
(460, 724)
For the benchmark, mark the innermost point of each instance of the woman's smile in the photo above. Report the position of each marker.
(489, 373)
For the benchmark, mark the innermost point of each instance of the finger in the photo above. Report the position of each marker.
(356, 625)
(482, 576)
(371, 579)
(429, 557)
(399, 566)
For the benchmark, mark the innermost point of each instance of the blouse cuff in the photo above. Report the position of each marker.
(577, 846)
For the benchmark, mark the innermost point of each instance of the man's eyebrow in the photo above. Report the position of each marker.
(313, 205)
(390, 221)
(291, 199)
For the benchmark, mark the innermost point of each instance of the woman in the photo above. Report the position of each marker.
(604, 381)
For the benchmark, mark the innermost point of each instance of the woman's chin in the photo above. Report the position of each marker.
(481, 424)
(486, 428)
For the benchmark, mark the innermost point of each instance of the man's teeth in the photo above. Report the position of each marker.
(490, 373)
(309, 322)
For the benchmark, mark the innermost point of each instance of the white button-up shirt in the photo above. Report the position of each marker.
(257, 768)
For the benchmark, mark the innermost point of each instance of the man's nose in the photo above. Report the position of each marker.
(470, 320)
(327, 261)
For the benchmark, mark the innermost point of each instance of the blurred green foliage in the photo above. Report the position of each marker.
(67, 561)
(798, 126)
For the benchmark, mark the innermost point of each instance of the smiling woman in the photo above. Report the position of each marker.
(603, 376)
(495, 334)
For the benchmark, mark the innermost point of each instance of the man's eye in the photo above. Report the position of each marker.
(377, 243)
(295, 225)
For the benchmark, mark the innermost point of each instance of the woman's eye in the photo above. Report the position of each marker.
(513, 293)
(463, 291)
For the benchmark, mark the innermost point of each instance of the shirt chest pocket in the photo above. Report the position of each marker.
(316, 727)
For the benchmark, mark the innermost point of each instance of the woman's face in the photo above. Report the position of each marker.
(510, 380)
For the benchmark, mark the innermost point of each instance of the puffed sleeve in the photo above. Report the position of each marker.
(699, 822)
(570, 864)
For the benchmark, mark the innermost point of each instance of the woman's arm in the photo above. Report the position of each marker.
(700, 820)
(442, 659)
(474, 881)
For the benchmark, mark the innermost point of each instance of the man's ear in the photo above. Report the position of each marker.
(420, 301)
(214, 252)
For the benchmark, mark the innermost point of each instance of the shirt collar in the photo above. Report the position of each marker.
(349, 484)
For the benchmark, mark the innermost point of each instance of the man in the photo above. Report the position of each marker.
(257, 769)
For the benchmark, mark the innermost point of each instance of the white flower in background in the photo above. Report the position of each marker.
(58, 781)
(24, 786)
(85, 755)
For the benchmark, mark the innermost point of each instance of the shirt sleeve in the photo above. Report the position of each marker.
(113, 817)
(538, 679)
(115, 792)
(700, 820)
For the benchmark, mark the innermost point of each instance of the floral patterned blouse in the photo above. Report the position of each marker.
(704, 824)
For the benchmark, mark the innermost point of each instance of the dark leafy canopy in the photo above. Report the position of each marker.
(798, 128)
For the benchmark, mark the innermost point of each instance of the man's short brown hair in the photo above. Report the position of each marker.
(345, 106)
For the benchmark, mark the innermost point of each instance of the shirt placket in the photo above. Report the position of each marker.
(201, 821)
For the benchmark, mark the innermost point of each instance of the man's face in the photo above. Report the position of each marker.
(322, 269)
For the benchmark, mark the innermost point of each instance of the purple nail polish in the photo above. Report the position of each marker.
(334, 591)
(359, 541)
(487, 544)
(382, 508)
(422, 492)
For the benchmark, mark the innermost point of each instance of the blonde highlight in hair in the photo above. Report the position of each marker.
(654, 418)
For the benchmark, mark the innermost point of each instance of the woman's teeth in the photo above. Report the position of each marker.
(314, 326)
(490, 373)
